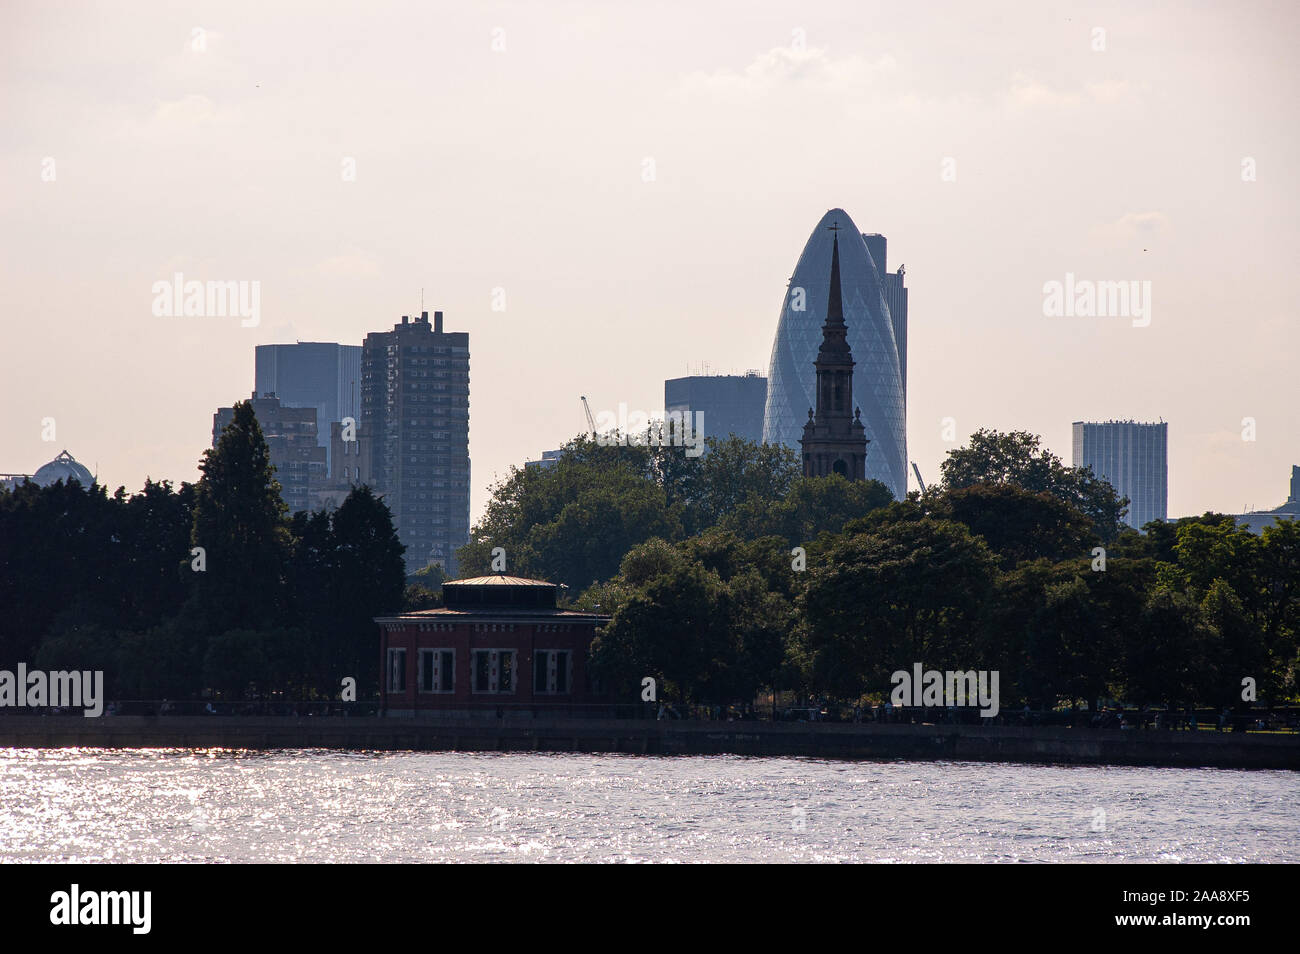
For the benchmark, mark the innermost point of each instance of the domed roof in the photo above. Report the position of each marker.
(64, 468)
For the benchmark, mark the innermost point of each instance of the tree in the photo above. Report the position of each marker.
(1167, 652)
(572, 523)
(671, 628)
(1067, 659)
(368, 581)
(699, 618)
(811, 506)
(1017, 524)
(58, 545)
(1017, 458)
(910, 592)
(1236, 650)
(238, 523)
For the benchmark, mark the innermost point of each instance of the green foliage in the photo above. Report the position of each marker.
(1017, 524)
(692, 559)
(239, 523)
(700, 619)
(285, 604)
(811, 506)
(245, 663)
(572, 523)
(912, 591)
(1017, 457)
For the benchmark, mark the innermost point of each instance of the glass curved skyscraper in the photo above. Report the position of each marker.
(878, 375)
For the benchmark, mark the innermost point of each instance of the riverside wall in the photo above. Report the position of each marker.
(1078, 746)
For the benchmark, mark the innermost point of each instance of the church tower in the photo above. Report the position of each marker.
(834, 440)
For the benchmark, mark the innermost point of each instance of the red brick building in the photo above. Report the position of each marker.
(498, 642)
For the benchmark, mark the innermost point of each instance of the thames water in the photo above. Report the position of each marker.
(172, 805)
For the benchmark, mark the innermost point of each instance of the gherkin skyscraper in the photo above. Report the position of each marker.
(878, 375)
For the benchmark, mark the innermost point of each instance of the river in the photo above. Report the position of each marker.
(100, 805)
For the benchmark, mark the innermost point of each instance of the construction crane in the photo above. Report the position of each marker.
(591, 423)
(916, 470)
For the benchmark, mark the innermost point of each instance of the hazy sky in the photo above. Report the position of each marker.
(220, 154)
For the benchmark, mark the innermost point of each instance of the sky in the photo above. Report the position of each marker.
(605, 195)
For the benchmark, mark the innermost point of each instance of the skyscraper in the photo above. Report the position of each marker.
(834, 441)
(878, 374)
(895, 298)
(1133, 457)
(317, 374)
(415, 414)
(730, 403)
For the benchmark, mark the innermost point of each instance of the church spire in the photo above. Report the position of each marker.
(835, 305)
(834, 439)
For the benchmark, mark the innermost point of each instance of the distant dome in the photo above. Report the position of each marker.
(63, 468)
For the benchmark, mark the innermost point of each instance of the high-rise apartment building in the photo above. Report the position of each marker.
(290, 434)
(317, 374)
(730, 403)
(1134, 458)
(415, 414)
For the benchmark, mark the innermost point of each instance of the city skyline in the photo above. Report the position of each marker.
(168, 158)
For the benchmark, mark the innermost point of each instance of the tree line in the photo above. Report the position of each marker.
(725, 576)
(731, 575)
(212, 587)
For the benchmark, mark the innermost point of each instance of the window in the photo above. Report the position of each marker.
(397, 670)
(437, 670)
(551, 672)
(494, 670)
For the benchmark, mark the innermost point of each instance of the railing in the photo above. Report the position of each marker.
(1258, 718)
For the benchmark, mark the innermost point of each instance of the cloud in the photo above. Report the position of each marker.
(812, 70)
(1131, 226)
(351, 264)
(192, 111)
(1029, 92)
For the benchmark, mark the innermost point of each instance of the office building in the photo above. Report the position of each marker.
(1133, 457)
(730, 403)
(316, 374)
(895, 297)
(548, 460)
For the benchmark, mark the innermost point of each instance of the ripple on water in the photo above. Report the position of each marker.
(91, 805)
